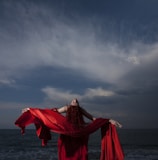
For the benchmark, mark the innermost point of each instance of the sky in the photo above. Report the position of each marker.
(104, 53)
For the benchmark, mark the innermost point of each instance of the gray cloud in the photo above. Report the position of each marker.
(60, 44)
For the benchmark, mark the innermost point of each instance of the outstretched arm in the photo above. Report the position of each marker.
(62, 109)
(89, 116)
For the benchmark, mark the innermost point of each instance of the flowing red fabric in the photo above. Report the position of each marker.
(72, 144)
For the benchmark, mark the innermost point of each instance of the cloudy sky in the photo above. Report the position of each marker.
(105, 53)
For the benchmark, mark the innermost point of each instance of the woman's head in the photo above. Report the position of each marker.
(74, 102)
(74, 114)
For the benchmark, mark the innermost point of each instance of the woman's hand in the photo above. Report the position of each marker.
(25, 110)
(117, 124)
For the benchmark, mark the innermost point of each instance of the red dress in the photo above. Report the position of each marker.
(73, 148)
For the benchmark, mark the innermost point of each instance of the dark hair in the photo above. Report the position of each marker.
(74, 115)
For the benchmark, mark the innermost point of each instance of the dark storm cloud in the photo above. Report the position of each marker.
(142, 79)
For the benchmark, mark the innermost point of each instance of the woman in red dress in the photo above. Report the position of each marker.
(74, 148)
(69, 147)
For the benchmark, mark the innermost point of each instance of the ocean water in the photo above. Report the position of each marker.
(137, 145)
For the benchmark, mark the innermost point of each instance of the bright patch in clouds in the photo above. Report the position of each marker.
(7, 82)
(91, 92)
(133, 59)
(60, 95)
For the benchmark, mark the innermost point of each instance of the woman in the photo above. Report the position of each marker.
(75, 148)
(71, 147)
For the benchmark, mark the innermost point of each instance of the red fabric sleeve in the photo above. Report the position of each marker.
(111, 148)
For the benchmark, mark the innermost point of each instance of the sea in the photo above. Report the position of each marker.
(137, 144)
